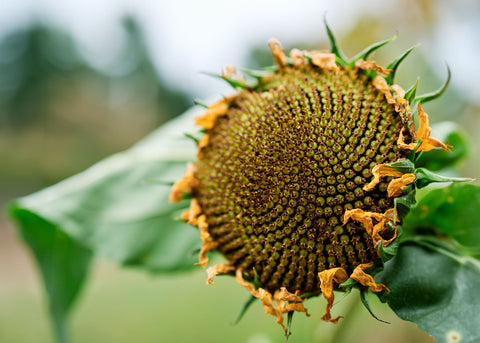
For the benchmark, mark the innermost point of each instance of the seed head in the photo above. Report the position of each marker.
(293, 183)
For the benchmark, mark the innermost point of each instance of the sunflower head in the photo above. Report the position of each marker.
(297, 174)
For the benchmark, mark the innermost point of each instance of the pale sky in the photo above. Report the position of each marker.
(190, 36)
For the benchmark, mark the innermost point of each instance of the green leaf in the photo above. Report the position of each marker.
(404, 203)
(388, 252)
(452, 211)
(114, 211)
(404, 166)
(452, 134)
(63, 264)
(437, 293)
(424, 177)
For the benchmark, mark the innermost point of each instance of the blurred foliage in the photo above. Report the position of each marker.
(61, 114)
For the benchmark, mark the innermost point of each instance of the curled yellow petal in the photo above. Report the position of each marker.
(223, 268)
(247, 285)
(398, 90)
(387, 217)
(396, 186)
(379, 171)
(208, 243)
(294, 302)
(285, 295)
(382, 86)
(365, 218)
(229, 71)
(324, 60)
(367, 280)
(327, 277)
(218, 109)
(185, 185)
(277, 52)
(423, 133)
(282, 295)
(298, 58)
(402, 105)
(202, 256)
(203, 142)
(401, 142)
(369, 65)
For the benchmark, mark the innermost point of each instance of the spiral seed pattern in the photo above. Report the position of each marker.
(283, 166)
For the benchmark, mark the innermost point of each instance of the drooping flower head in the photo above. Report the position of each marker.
(298, 172)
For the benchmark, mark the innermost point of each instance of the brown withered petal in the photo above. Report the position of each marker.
(217, 269)
(324, 60)
(370, 65)
(327, 278)
(379, 171)
(218, 109)
(396, 186)
(366, 279)
(277, 52)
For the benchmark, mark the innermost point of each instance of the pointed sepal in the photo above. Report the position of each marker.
(244, 309)
(363, 55)
(335, 49)
(433, 95)
(199, 102)
(410, 94)
(396, 63)
(366, 304)
(288, 333)
(232, 82)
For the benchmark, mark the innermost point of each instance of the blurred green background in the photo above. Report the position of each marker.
(64, 107)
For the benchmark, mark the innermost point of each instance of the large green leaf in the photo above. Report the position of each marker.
(438, 293)
(114, 210)
(452, 211)
(63, 263)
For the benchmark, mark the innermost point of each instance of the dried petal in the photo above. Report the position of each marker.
(365, 279)
(388, 216)
(401, 143)
(424, 131)
(327, 277)
(203, 142)
(223, 268)
(185, 185)
(285, 295)
(382, 86)
(298, 58)
(324, 60)
(379, 171)
(202, 256)
(229, 71)
(396, 186)
(369, 65)
(218, 109)
(362, 217)
(277, 52)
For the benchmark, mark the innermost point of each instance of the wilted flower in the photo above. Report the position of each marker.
(297, 174)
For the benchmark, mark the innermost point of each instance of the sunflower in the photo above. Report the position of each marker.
(297, 175)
